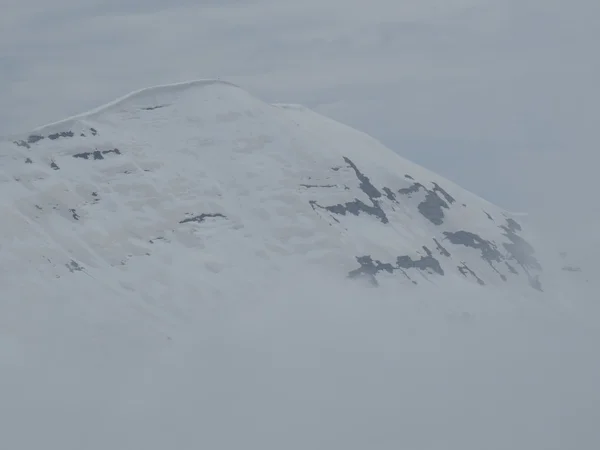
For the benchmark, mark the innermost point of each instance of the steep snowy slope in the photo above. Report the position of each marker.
(202, 175)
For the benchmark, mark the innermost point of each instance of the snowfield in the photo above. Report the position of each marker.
(189, 267)
(202, 174)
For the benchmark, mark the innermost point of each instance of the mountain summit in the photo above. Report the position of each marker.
(172, 188)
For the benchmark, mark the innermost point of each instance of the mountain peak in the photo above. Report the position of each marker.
(202, 174)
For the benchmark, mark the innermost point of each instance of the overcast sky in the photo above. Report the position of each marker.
(498, 95)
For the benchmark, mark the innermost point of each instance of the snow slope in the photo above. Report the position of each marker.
(189, 267)
(201, 174)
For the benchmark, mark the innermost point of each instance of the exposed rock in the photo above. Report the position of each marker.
(73, 266)
(202, 217)
(62, 134)
(465, 270)
(441, 249)
(318, 185)
(357, 206)
(74, 213)
(96, 154)
(152, 108)
(32, 139)
(519, 249)
(489, 252)
(432, 208)
(370, 267)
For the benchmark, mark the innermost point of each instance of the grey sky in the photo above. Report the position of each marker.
(498, 95)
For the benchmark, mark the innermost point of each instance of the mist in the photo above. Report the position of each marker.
(498, 96)
(305, 360)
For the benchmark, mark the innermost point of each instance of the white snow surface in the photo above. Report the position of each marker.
(175, 271)
(264, 176)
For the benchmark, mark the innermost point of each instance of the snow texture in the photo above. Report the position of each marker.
(205, 174)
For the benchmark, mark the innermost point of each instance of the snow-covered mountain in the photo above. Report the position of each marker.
(201, 174)
(189, 267)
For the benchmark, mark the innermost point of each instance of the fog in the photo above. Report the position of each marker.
(317, 362)
(499, 96)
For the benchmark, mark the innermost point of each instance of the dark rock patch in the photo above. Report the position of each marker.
(489, 252)
(441, 248)
(152, 108)
(489, 216)
(432, 208)
(28, 161)
(535, 283)
(62, 134)
(54, 165)
(521, 251)
(513, 225)
(94, 131)
(21, 143)
(73, 266)
(371, 268)
(96, 154)
(414, 188)
(511, 268)
(86, 155)
(408, 177)
(447, 196)
(202, 217)
(389, 194)
(518, 248)
(74, 213)
(354, 207)
(367, 270)
(423, 263)
(357, 206)
(318, 185)
(465, 270)
(33, 138)
(365, 183)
